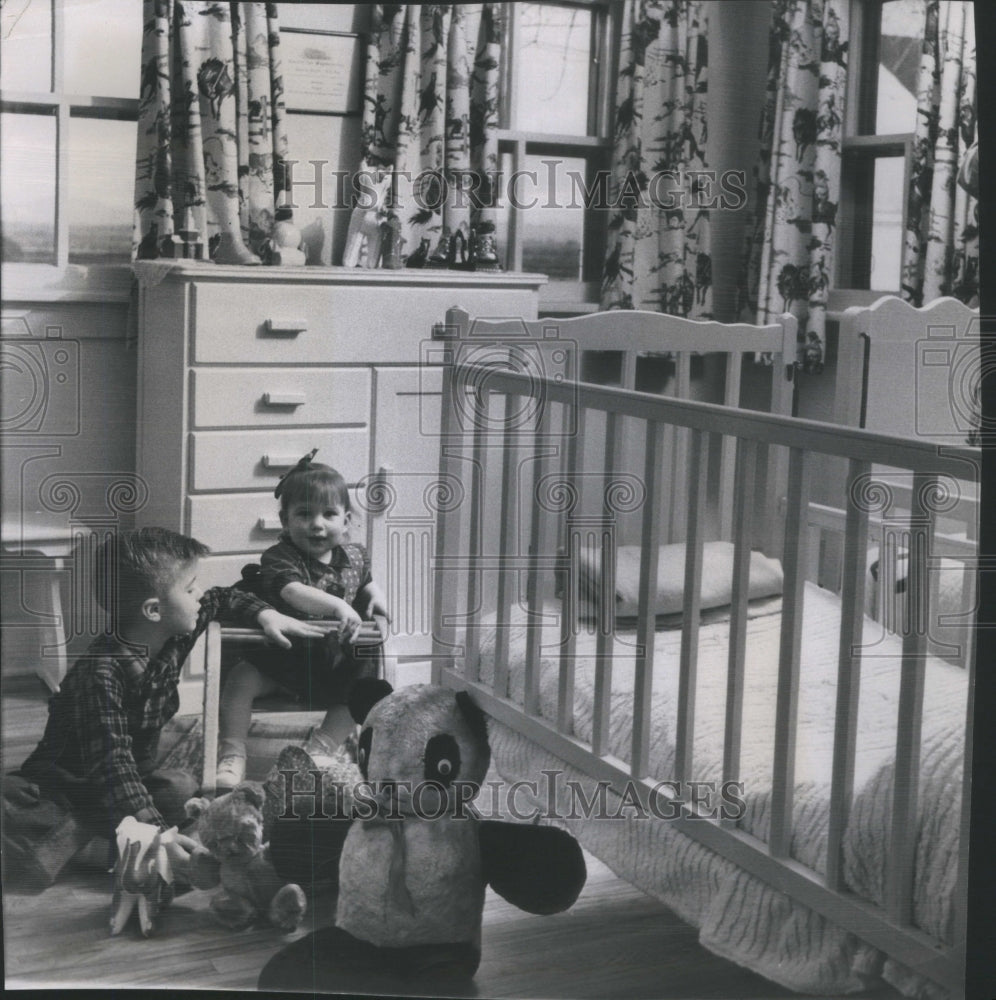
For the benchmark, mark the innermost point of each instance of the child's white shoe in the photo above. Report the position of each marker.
(230, 772)
(322, 749)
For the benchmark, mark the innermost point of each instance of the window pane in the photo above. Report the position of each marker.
(26, 28)
(899, 61)
(27, 187)
(103, 47)
(887, 224)
(552, 218)
(101, 189)
(551, 64)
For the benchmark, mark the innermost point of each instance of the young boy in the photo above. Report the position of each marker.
(99, 750)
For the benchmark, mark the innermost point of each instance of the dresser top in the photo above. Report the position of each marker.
(152, 272)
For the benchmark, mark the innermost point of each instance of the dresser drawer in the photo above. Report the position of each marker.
(248, 397)
(242, 322)
(236, 522)
(248, 460)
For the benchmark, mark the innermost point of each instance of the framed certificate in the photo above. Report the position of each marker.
(321, 72)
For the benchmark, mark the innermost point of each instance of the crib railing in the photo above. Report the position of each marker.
(517, 445)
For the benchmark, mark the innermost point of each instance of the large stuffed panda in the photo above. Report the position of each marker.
(416, 859)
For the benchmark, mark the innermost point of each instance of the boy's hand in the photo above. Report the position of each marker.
(279, 628)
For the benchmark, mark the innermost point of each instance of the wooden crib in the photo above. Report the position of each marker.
(599, 587)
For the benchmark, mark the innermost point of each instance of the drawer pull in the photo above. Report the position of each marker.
(280, 461)
(286, 327)
(269, 524)
(283, 399)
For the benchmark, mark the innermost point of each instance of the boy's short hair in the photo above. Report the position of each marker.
(314, 482)
(133, 566)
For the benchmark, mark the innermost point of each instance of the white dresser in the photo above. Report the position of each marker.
(243, 370)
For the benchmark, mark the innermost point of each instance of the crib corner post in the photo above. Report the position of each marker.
(448, 516)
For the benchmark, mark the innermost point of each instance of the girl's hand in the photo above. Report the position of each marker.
(279, 628)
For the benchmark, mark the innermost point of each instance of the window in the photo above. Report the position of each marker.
(885, 45)
(68, 100)
(555, 135)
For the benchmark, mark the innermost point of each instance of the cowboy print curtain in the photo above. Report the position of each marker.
(211, 131)
(941, 246)
(658, 255)
(790, 252)
(431, 114)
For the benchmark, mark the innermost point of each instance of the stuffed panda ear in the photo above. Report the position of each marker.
(366, 692)
(474, 716)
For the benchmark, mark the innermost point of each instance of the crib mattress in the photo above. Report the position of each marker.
(738, 915)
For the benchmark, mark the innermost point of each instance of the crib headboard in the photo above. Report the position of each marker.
(908, 371)
(915, 373)
(734, 364)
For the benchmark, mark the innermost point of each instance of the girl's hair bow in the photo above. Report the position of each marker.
(302, 466)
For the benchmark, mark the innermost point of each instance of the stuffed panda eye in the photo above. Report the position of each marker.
(363, 751)
(442, 759)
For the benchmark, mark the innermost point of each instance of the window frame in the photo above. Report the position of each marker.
(595, 147)
(860, 147)
(64, 279)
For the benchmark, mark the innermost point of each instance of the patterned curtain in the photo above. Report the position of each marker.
(658, 254)
(941, 249)
(789, 258)
(431, 113)
(211, 132)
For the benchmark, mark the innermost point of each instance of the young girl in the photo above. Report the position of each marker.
(312, 572)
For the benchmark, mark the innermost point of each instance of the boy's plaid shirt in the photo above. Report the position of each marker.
(104, 723)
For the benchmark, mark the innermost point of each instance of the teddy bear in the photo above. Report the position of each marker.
(417, 857)
(235, 857)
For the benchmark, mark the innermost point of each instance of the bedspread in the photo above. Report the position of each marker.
(738, 915)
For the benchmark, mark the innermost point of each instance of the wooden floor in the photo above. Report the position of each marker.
(614, 942)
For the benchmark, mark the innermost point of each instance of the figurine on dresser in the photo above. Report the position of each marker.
(365, 224)
(286, 244)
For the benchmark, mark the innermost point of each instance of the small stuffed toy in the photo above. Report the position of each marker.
(143, 876)
(231, 829)
(417, 858)
(364, 224)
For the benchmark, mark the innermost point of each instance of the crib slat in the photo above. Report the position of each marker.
(508, 577)
(539, 548)
(742, 511)
(852, 602)
(727, 460)
(452, 439)
(787, 704)
(691, 608)
(606, 598)
(572, 432)
(902, 842)
(679, 463)
(478, 478)
(645, 628)
(960, 900)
